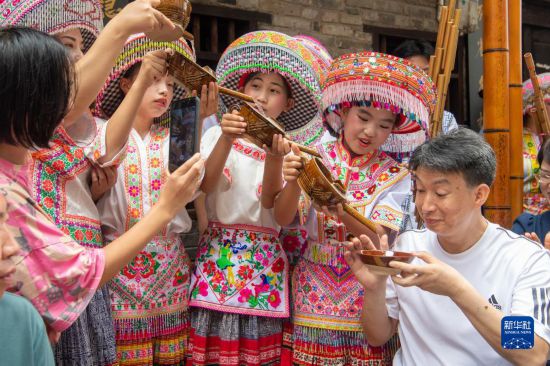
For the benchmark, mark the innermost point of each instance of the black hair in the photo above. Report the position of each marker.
(461, 151)
(414, 47)
(36, 84)
(132, 71)
(251, 76)
(544, 153)
(361, 103)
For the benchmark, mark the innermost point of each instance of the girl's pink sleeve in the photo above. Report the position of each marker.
(54, 272)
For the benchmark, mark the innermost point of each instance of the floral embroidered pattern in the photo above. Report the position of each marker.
(241, 269)
(52, 170)
(134, 175)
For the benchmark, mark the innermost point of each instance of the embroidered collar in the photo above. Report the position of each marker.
(346, 156)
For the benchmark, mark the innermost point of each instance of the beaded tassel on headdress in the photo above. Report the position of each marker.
(55, 16)
(137, 46)
(268, 51)
(384, 82)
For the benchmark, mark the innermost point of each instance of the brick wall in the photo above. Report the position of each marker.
(339, 23)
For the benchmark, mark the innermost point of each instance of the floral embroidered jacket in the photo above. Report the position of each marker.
(326, 294)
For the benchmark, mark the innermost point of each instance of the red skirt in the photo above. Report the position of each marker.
(218, 338)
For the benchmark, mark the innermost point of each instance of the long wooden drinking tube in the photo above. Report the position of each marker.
(357, 216)
(318, 183)
(542, 115)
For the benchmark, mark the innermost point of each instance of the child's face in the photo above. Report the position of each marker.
(366, 128)
(72, 40)
(156, 99)
(8, 248)
(269, 90)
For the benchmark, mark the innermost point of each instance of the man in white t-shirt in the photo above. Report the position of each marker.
(467, 273)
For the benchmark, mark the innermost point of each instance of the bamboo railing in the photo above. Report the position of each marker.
(443, 61)
(516, 115)
(496, 125)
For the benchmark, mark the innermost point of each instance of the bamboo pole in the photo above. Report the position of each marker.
(516, 115)
(496, 125)
(442, 63)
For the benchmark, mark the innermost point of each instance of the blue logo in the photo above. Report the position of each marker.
(517, 332)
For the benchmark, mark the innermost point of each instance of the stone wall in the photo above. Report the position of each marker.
(339, 23)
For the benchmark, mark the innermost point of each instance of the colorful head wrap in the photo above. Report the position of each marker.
(529, 94)
(268, 51)
(137, 46)
(55, 16)
(383, 81)
(319, 51)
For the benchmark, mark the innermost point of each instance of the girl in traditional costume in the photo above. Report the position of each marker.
(367, 97)
(149, 296)
(240, 284)
(55, 272)
(76, 155)
(534, 201)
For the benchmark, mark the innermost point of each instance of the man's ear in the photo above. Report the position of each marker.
(289, 104)
(125, 85)
(481, 193)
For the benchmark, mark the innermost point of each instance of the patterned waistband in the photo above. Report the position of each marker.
(330, 254)
(327, 322)
(160, 240)
(244, 227)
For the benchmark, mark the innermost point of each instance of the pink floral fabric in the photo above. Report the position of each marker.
(54, 272)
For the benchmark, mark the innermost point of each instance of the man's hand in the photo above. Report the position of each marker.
(434, 276)
(366, 278)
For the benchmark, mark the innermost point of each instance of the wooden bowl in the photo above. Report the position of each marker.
(378, 261)
(179, 12)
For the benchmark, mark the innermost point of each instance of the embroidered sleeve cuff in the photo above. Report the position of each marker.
(388, 217)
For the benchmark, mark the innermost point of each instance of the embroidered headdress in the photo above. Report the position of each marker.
(383, 81)
(55, 16)
(137, 46)
(319, 51)
(312, 132)
(268, 51)
(529, 94)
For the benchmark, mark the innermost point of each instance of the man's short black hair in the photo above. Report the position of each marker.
(414, 47)
(461, 151)
(36, 85)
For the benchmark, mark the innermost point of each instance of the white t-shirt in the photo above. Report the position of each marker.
(512, 272)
